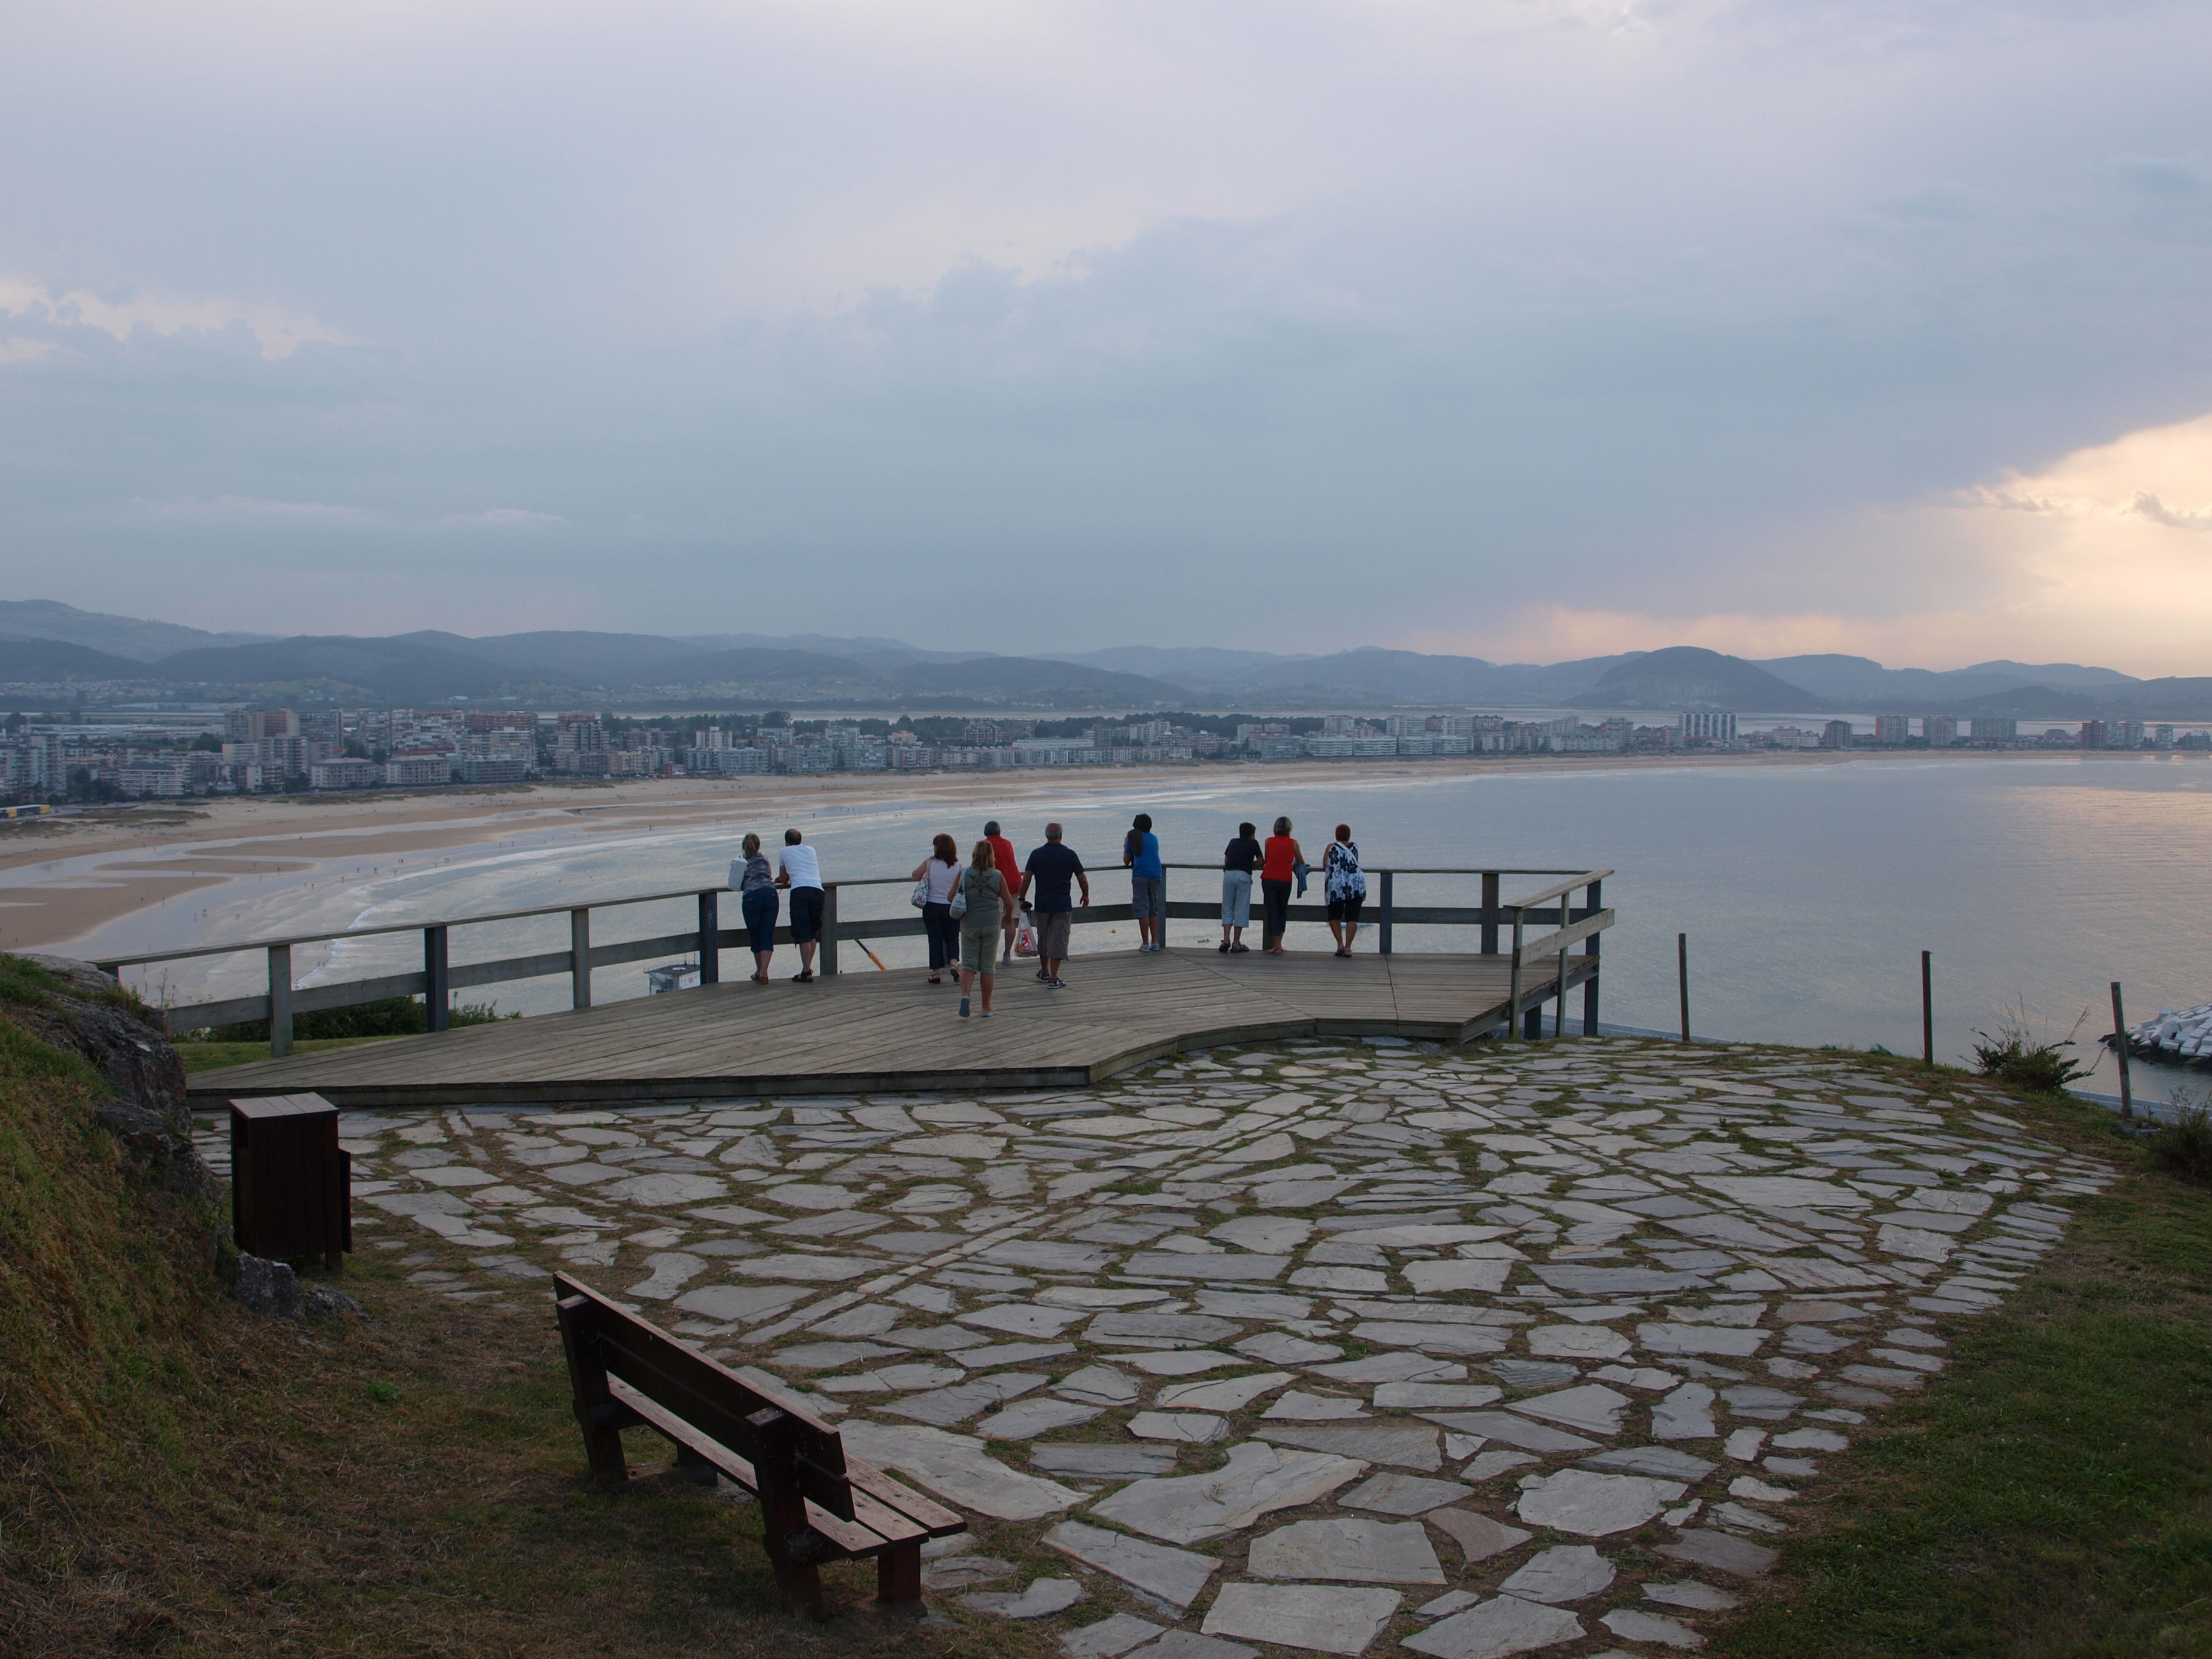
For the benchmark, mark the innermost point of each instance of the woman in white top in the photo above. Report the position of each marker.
(941, 870)
(801, 871)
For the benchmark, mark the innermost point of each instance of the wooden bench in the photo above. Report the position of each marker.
(816, 1504)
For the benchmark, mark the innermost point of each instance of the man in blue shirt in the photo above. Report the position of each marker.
(1148, 883)
(1052, 870)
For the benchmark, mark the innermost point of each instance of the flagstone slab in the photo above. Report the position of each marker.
(1022, 1319)
(1593, 1408)
(1727, 1339)
(957, 1468)
(1194, 1428)
(943, 1406)
(1404, 1445)
(1104, 1460)
(741, 1304)
(1707, 1548)
(1109, 1638)
(1635, 1625)
(1435, 1338)
(1786, 1192)
(1565, 1572)
(1394, 1368)
(1230, 1266)
(1297, 1405)
(1027, 1418)
(1591, 1504)
(1391, 1493)
(1503, 1625)
(1174, 1575)
(818, 1269)
(1317, 1618)
(1225, 1394)
(1511, 1430)
(1360, 1552)
(1256, 1479)
(1044, 1598)
(1478, 1536)
(1437, 1278)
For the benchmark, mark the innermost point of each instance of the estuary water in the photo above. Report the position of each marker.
(1808, 892)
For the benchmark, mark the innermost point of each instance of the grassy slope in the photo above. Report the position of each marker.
(2052, 1495)
(179, 1476)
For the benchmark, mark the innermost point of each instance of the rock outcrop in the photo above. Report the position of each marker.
(82, 1011)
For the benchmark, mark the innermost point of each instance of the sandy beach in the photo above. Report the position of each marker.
(61, 879)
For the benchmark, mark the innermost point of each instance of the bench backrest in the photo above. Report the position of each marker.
(610, 1340)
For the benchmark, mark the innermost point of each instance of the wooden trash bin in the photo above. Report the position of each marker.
(291, 1184)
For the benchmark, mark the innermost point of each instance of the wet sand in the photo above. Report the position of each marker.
(61, 880)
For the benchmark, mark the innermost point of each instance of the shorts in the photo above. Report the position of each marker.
(806, 904)
(1053, 928)
(1346, 909)
(979, 943)
(1235, 898)
(1148, 897)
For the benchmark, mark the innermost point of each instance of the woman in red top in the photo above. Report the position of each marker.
(1281, 856)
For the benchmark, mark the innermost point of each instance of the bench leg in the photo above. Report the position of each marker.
(898, 1577)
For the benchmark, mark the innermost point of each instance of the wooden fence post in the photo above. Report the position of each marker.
(710, 939)
(1682, 974)
(580, 957)
(438, 994)
(280, 1001)
(1383, 919)
(1927, 1009)
(829, 952)
(1489, 913)
(2120, 1050)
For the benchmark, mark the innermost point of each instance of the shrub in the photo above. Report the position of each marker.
(2013, 1055)
(2184, 1146)
(390, 1016)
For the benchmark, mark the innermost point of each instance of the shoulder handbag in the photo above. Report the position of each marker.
(959, 905)
(920, 897)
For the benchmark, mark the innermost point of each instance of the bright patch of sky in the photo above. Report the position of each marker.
(1525, 328)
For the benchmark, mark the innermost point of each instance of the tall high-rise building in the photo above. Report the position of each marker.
(1835, 734)
(1892, 728)
(1942, 731)
(1994, 728)
(2093, 734)
(1716, 725)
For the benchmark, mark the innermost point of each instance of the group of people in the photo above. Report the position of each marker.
(971, 908)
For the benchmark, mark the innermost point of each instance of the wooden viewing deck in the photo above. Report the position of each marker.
(893, 1032)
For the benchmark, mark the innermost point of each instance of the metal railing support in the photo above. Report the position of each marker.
(828, 963)
(1383, 917)
(1594, 895)
(438, 991)
(710, 937)
(280, 1001)
(579, 956)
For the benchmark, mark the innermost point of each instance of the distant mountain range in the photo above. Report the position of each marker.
(42, 642)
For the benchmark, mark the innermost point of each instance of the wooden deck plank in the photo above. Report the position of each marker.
(890, 1030)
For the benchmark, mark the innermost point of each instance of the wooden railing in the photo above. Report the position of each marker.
(283, 1001)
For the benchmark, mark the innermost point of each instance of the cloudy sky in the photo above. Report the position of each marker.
(1526, 328)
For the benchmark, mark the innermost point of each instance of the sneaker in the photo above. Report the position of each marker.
(963, 1007)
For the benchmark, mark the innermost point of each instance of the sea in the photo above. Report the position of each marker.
(1805, 892)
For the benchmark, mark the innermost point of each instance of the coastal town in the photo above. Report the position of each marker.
(149, 754)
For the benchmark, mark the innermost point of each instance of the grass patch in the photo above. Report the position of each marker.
(2050, 1495)
(213, 1056)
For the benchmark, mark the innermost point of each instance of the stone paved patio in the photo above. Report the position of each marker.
(1334, 1347)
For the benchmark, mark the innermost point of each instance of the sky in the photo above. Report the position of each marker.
(1526, 328)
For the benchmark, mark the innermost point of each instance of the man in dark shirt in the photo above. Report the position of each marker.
(1052, 869)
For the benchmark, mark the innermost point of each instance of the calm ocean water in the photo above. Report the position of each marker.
(1807, 892)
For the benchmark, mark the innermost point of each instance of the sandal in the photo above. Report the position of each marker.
(1240, 949)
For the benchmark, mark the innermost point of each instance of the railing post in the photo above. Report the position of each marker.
(1513, 992)
(828, 927)
(579, 956)
(438, 994)
(280, 1001)
(1382, 921)
(1490, 913)
(1596, 894)
(710, 939)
